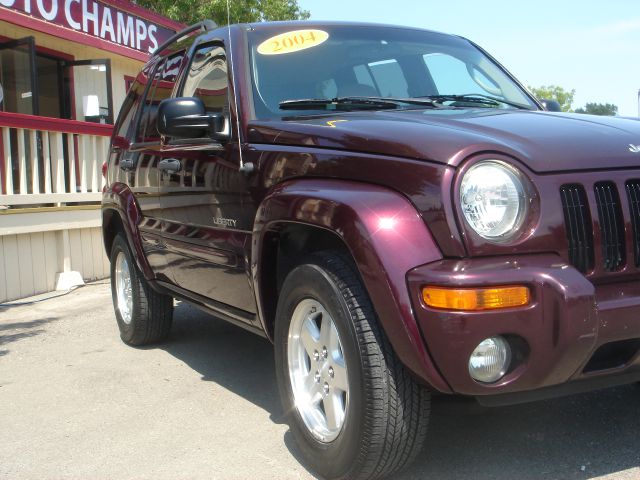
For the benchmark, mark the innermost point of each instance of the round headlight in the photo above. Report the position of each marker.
(492, 197)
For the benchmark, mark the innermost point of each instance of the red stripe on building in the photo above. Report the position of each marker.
(49, 124)
(147, 14)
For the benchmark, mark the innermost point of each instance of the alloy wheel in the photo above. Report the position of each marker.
(317, 370)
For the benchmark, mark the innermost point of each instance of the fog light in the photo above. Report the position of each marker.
(490, 360)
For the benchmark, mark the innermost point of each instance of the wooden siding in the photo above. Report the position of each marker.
(29, 262)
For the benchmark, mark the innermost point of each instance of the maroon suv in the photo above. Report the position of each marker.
(392, 209)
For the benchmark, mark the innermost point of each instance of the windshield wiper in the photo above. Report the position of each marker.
(476, 98)
(353, 103)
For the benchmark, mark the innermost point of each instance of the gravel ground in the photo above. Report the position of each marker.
(76, 403)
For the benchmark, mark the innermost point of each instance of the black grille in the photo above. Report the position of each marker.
(633, 194)
(611, 225)
(578, 226)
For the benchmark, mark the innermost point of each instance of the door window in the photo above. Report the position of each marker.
(164, 80)
(208, 79)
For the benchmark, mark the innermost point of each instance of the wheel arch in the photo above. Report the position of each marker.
(380, 230)
(282, 248)
(121, 213)
(111, 226)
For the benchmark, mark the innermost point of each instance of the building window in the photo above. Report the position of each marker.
(89, 82)
(37, 83)
(16, 76)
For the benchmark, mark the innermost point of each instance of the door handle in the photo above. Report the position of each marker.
(128, 161)
(170, 165)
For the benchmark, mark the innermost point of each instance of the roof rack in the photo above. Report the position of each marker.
(204, 25)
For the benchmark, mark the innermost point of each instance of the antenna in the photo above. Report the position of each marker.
(248, 167)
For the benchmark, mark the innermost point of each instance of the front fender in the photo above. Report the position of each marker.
(386, 237)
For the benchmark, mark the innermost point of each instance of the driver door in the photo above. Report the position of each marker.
(205, 200)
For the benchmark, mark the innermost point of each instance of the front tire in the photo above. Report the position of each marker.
(144, 316)
(354, 410)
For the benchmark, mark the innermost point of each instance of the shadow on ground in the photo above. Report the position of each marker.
(223, 353)
(581, 436)
(14, 331)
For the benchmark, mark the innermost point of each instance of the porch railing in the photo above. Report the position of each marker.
(49, 161)
(50, 188)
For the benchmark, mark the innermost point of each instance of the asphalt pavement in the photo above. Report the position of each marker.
(76, 403)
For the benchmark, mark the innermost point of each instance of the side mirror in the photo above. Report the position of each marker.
(186, 117)
(550, 105)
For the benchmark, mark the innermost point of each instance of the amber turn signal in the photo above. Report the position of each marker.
(474, 299)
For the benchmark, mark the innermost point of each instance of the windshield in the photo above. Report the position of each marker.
(307, 62)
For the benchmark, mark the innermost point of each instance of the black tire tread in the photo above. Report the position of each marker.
(152, 311)
(157, 311)
(398, 407)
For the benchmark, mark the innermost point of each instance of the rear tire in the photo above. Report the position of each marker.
(383, 423)
(144, 316)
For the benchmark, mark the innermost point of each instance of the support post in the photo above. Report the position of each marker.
(67, 279)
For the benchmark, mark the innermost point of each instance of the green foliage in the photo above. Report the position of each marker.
(192, 11)
(606, 109)
(565, 99)
(554, 92)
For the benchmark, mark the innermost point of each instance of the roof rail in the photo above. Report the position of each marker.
(204, 25)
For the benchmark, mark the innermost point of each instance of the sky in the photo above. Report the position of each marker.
(592, 46)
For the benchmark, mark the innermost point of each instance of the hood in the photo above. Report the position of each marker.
(544, 141)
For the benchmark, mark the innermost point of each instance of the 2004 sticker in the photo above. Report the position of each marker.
(292, 42)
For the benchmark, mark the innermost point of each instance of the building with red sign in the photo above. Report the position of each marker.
(65, 67)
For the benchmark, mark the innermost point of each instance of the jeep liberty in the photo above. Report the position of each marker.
(390, 208)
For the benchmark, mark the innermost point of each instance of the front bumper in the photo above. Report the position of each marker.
(572, 331)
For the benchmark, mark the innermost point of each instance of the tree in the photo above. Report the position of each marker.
(554, 92)
(192, 11)
(606, 109)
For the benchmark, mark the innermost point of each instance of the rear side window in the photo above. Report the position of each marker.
(164, 80)
(451, 75)
(390, 79)
(131, 105)
(208, 78)
(363, 77)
